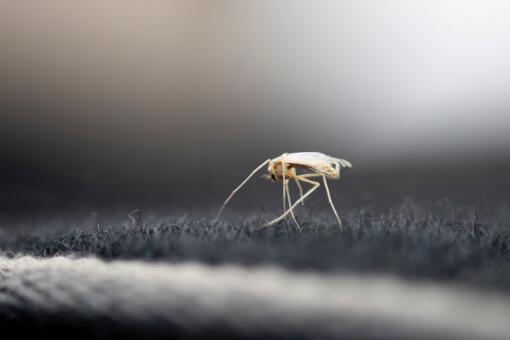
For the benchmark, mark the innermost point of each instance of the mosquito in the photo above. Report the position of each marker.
(284, 168)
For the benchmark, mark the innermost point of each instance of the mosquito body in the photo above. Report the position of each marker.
(285, 168)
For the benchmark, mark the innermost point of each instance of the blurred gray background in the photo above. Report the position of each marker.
(170, 104)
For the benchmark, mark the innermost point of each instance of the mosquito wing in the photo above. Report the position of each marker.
(317, 161)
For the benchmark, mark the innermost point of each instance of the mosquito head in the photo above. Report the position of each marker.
(272, 172)
(271, 176)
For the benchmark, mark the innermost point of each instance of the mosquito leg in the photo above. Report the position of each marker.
(299, 183)
(310, 175)
(290, 204)
(283, 184)
(239, 187)
(315, 186)
(300, 190)
(331, 202)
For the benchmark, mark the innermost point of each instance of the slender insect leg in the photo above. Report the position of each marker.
(310, 175)
(283, 182)
(239, 187)
(313, 174)
(315, 186)
(331, 202)
(300, 190)
(290, 204)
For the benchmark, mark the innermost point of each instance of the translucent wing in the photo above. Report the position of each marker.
(308, 158)
(316, 161)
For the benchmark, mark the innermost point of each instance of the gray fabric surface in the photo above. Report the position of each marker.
(266, 301)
